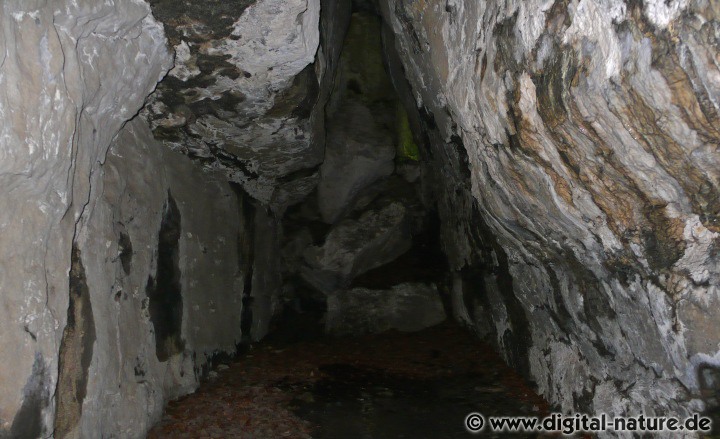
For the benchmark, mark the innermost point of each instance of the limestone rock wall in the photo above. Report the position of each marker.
(575, 145)
(106, 259)
(164, 279)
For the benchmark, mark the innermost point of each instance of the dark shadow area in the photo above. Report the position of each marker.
(424, 262)
(357, 403)
(28, 420)
(76, 350)
(390, 385)
(246, 256)
(126, 251)
(164, 291)
(301, 319)
(709, 379)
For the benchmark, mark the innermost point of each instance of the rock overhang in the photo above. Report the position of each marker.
(243, 94)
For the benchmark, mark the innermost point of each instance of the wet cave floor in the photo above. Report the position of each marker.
(391, 385)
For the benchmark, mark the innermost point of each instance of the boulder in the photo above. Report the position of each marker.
(358, 153)
(405, 307)
(355, 246)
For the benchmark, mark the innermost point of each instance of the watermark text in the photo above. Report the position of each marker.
(580, 423)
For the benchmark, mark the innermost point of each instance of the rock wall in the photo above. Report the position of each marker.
(164, 279)
(247, 97)
(106, 259)
(574, 145)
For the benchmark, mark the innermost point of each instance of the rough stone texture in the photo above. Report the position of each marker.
(576, 143)
(406, 307)
(80, 228)
(570, 147)
(242, 95)
(129, 378)
(71, 73)
(355, 246)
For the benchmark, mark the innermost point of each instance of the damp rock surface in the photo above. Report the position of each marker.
(87, 189)
(153, 339)
(242, 95)
(156, 157)
(360, 143)
(71, 74)
(358, 152)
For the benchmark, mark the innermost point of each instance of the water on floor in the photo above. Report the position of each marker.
(392, 385)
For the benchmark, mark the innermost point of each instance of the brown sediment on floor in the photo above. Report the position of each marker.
(290, 390)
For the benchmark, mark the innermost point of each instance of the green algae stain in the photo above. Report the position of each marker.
(406, 147)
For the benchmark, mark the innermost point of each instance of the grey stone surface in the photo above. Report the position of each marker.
(574, 147)
(358, 153)
(360, 140)
(247, 92)
(406, 307)
(71, 73)
(571, 150)
(81, 215)
(128, 381)
(355, 246)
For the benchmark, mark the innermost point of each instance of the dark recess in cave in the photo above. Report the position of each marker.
(76, 350)
(246, 259)
(164, 290)
(126, 252)
(367, 100)
(28, 420)
(424, 262)
(709, 379)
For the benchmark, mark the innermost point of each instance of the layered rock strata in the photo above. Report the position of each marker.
(568, 148)
(576, 144)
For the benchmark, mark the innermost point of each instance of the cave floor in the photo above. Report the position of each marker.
(391, 385)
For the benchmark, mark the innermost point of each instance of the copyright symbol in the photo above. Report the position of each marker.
(474, 422)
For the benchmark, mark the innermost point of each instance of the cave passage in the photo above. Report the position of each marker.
(356, 218)
(359, 342)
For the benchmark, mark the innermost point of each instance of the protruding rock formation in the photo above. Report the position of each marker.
(245, 93)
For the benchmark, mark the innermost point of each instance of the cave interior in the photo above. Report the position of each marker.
(356, 218)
